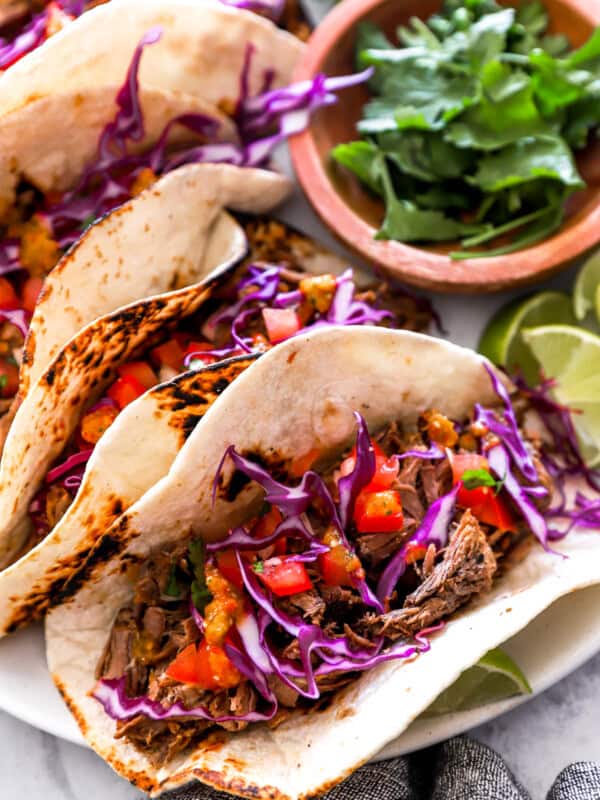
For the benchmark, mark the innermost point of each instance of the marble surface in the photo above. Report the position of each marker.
(537, 740)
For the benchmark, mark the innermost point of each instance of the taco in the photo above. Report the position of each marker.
(61, 491)
(356, 520)
(104, 143)
(26, 25)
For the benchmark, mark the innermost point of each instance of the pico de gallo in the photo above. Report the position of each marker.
(350, 564)
(37, 229)
(258, 306)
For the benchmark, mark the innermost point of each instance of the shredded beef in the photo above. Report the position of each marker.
(285, 694)
(309, 604)
(118, 651)
(374, 548)
(466, 569)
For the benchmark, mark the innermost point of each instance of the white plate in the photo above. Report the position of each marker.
(556, 643)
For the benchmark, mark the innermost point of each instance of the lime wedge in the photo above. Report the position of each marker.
(494, 677)
(586, 285)
(572, 356)
(502, 342)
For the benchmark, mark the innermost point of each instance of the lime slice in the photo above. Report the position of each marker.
(493, 678)
(572, 356)
(502, 342)
(586, 285)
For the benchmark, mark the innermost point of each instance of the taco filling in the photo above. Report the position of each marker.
(258, 306)
(38, 228)
(347, 565)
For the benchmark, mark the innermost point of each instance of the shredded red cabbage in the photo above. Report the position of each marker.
(434, 529)
(112, 695)
(350, 486)
(290, 500)
(499, 462)
(508, 431)
(69, 465)
(272, 9)
(433, 452)
(17, 317)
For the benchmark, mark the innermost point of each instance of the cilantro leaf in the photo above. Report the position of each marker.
(474, 116)
(258, 567)
(173, 589)
(201, 595)
(360, 157)
(528, 160)
(474, 478)
(406, 222)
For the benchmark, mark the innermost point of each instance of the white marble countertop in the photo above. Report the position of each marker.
(537, 740)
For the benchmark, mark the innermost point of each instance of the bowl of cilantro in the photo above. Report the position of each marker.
(470, 160)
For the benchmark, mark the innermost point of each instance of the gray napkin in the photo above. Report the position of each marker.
(460, 769)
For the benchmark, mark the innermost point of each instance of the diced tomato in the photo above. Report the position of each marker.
(8, 297)
(228, 567)
(281, 323)
(378, 512)
(168, 354)
(266, 524)
(483, 500)
(415, 552)
(30, 293)
(141, 371)
(339, 567)
(284, 578)
(461, 462)
(487, 507)
(206, 666)
(56, 19)
(183, 666)
(125, 390)
(95, 423)
(302, 464)
(9, 378)
(196, 349)
(386, 469)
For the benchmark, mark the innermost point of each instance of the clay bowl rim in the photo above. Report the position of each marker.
(415, 265)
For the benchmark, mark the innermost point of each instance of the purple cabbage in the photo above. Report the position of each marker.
(273, 9)
(76, 460)
(434, 529)
(17, 317)
(499, 462)
(112, 696)
(31, 37)
(290, 500)
(432, 453)
(507, 432)
(350, 486)
(241, 539)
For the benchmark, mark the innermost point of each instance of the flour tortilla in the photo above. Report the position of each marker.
(171, 261)
(139, 447)
(50, 139)
(313, 383)
(201, 53)
(155, 242)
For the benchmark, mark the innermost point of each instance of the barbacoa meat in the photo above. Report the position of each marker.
(466, 569)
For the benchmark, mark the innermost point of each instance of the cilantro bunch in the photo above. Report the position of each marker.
(472, 125)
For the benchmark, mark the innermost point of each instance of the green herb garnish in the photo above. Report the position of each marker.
(3, 381)
(201, 596)
(472, 125)
(173, 589)
(474, 478)
(258, 567)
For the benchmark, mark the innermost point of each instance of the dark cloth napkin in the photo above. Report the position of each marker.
(460, 769)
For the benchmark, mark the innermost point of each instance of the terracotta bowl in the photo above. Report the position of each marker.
(354, 216)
